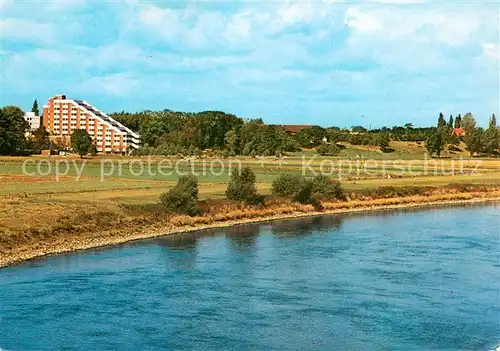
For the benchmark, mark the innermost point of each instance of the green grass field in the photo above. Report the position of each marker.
(119, 179)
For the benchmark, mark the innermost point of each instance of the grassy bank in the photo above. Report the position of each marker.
(49, 227)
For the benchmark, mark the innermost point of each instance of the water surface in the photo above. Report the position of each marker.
(413, 280)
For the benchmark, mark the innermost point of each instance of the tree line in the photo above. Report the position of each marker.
(179, 133)
(171, 133)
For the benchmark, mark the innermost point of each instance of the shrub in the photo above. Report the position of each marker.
(183, 197)
(93, 150)
(304, 191)
(383, 192)
(328, 149)
(327, 189)
(320, 188)
(304, 194)
(382, 140)
(242, 187)
(287, 185)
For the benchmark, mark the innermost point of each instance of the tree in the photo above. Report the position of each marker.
(242, 187)
(441, 121)
(13, 128)
(81, 142)
(40, 139)
(493, 121)
(311, 137)
(305, 195)
(327, 189)
(35, 108)
(491, 140)
(382, 140)
(93, 150)
(326, 149)
(458, 122)
(320, 188)
(231, 141)
(474, 141)
(183, 197)
(287, 185)
(492, 136)
(434, 143)
(358, 129)
(450, 122)
(469, 123)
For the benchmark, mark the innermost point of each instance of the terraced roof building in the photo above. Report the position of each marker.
(62, 116)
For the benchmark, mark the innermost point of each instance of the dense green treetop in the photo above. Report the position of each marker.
(81, 142)
(13, 128)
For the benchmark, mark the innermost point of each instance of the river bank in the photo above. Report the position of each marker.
(43, 244)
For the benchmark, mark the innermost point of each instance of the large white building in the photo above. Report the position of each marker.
(33, 120)
(62, 116)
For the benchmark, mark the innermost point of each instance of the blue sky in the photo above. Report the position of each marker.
(319, 62)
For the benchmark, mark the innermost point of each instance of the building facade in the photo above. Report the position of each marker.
(62, 116)
(33, 120)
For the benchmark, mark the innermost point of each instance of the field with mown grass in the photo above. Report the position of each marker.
(119, 178)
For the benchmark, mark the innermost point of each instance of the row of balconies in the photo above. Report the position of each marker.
(65, 121)
(82, 122)
(108, 140)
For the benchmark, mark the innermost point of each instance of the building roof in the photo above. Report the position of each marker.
(458, 131)
(295, 128)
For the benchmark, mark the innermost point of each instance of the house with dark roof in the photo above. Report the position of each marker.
(294, 128)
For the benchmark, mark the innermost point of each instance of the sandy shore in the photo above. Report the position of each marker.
(123, 235)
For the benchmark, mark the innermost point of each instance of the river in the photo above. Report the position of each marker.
(406, 280)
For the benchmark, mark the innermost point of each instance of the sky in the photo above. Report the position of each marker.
(341, 63)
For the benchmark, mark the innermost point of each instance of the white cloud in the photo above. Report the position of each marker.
(13, 28)
(492, 51)
(361, 21)
(116, 84)
(418, 38)
(240, 26)
(198, 26)
(166, 22)
(291, 13)
(304, 51)
(426, 25)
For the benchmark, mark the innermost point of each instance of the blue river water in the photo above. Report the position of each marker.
(408, 280)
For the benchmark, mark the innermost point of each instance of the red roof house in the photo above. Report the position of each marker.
(459, 132)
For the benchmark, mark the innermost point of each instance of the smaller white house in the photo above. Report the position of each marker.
(33, 120)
